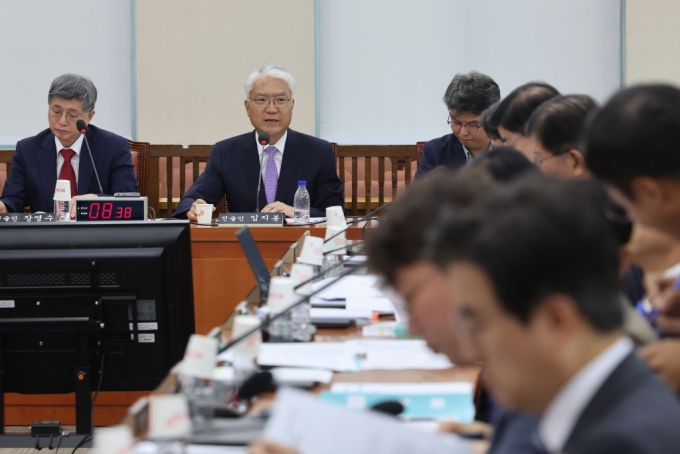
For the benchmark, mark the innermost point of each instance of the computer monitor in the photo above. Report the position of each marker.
(121, 287)
(257, 265)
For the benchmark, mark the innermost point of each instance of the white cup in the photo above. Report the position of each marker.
(113, 440)
(62, 191)
(336, 245)
(300, 273)
(281, 294)
(200, 357)
(312, 251)
(204, 213)
(169, 417)
(335, 217)
(250, 346)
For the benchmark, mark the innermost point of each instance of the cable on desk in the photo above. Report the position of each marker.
(87, 438)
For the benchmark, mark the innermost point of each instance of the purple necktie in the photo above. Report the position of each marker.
(271, 176)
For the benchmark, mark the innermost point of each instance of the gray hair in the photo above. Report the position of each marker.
(270, 70)
(73, 86)
(473, 92)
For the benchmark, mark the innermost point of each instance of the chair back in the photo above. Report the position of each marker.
(5, 166)
(140, 161)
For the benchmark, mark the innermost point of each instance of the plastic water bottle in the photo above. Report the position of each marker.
(281, 329)
(302, 328)
(301, 203)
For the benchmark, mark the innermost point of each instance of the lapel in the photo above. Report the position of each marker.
(291, 159)
(250, 163)
(85, 172)
(47, 166)
(457, 152)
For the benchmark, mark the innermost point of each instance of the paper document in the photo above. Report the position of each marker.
(293, 375)
(291, 221)
(320, 302)
(397, 354)
(317, 313)
(301, 421)
(348, 287)
(335, 356)
(379, 305)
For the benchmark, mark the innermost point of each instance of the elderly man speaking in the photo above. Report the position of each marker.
(234, 165)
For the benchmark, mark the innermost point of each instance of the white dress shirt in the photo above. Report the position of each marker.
(75, 160)
(278, 157)
(559, 419)
(468, 155)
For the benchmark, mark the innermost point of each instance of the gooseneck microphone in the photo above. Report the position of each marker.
(82, 127)
(263, 139)
(356, 221)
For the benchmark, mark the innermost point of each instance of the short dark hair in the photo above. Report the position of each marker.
(400, 237)
(504, 164)
(560, 122)
(473, 92)
(536, 237)
(637, 133)
(489, 127)
(515, 109)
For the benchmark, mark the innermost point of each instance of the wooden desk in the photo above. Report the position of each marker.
(222, 276)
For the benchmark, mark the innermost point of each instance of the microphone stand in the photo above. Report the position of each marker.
(259, 183)
(89, 151)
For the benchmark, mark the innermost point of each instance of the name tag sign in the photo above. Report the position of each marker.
(251, 219)
(15, 218)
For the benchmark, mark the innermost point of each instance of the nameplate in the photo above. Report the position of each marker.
(251, 219)
(15, 218)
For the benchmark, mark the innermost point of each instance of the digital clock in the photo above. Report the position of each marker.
(111, 208)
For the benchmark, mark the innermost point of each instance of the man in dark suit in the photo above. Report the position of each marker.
(59, 152)
(534, 271)
(234, 165)
(466, 98)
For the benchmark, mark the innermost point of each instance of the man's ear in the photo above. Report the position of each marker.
(556, 318)
(245, 104)
(89, 116)
(578, 162)
(649, 190)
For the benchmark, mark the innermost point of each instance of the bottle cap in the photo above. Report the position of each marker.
(302, 183)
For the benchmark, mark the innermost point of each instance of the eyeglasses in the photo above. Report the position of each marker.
(56, 114)
(539, 161)
(457, 126)
(262, 102)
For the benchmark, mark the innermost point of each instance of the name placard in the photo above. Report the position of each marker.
(14, 218)
(251, 219)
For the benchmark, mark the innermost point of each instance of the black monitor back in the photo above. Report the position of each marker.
(131, 281)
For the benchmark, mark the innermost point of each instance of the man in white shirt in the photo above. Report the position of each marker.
(534, 269)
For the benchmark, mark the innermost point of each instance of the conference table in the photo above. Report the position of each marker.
(221, 277)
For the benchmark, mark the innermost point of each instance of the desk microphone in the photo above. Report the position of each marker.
(265, 323)
(263, 139)
(356, 221)
(82, 127)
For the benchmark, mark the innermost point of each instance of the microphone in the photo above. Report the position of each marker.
(82, 127)
(265, 323)
(389, 407)
(263, 139)
(361, 219)
(254, 385)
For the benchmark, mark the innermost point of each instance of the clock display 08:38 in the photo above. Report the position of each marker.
(110, 210)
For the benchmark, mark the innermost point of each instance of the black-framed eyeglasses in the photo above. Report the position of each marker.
(280, 101)
(538, 161)
(457, 126)
(70, 116)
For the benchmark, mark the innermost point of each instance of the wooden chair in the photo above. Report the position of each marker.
(401, 158)
(176, 157)
(419, 151)
(140, 160)
(5, 166)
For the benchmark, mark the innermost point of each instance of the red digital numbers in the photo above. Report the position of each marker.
(105, 211)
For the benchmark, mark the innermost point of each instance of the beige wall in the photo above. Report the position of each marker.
(652, 41)
(192, 59)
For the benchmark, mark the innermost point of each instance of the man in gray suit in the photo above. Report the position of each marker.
(534, 271)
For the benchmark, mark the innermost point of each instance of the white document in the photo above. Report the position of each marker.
(331, 313)
(452, 387)
(379, 305)
(316, 302)
(293, 375)
(336, 356)
(397, 355)
(349, 286)
(301, 421)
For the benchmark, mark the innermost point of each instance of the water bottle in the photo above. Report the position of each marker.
(303, 330)
(281, 329)
(301, 203)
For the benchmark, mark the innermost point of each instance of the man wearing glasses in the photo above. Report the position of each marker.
(56, 153)
(466, 97)
(238, 165)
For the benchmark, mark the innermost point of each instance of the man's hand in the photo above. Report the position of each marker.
(72, 210)
(3, 208)
(191, 214)
(279, 207)
(663, 357)
(667, 302)
(473, 428)
(266, 447)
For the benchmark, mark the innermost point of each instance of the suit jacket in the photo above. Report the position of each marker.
(234, 170)
(445, 151)
(513, 432)
(633, 412)
(34, 169)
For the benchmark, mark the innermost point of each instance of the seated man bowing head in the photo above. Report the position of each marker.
(235, 164)
(534, 271)
(59, 153)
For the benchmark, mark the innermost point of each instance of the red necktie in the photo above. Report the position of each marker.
(67, 172)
